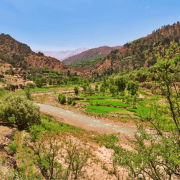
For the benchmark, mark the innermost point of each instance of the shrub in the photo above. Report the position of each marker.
(50, 81)
(121, 83)
(62, 98)
(132, 87)
(28, 92)
(39, 82)
(70, 100)
(6, 72)
(20, 110)
(112, 89)
(13, 147)
(31, 85)
(76, 90)
(96, 88)
(84, 87)
(74, 103)
(21, 86)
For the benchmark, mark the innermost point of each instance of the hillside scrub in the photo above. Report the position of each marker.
(19, 110)
(159, 159)
(62, 98)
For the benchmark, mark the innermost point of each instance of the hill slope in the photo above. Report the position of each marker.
(90, 53)
(139, 53)
(19, 54)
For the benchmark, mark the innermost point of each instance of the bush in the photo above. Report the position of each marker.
(74, 103)
(76, 90)
(21, 86)
(28, 92)
(70, 100)
(20, 110)
(62, 98)
(31, 85)
(6, 72)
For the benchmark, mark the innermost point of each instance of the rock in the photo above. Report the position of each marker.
(11, 162)
(9, 151)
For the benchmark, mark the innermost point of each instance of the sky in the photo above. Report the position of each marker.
(59, 25)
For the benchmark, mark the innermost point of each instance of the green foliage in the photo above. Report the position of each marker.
(22, 111)
(62, 98)
(28, 92)
(108, 102)
(96, 88)
(157, 161)
(74, 103)
(132, 87)
(84, 87)
(13, 147)
(76, 90)
(102, 89)
(90, 89)
(70, 100)
(160, 158)
(121, 83)
(50, 81)
(90, 62)
(112, 89)
(6, 72)
(39, 82)
(31, 85)
(44, 156)
(102, 109)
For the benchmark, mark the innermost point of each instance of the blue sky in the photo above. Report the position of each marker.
(56, 25)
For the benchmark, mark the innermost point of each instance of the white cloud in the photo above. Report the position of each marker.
(147, 7)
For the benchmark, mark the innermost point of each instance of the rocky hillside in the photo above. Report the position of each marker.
(19, 54)
(90, 53)
(136, 54)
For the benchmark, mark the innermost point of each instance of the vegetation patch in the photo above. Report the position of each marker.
(112, 103)
(102, 109)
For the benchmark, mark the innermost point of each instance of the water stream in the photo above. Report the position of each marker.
(88, 120)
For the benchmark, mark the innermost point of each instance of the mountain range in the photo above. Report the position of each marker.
(137, 54)
(90, 53)
(61, 55)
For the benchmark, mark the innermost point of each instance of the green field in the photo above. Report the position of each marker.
(102, 109)
(107, 102)
(98, 96)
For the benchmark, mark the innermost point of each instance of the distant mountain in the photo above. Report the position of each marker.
(60, 55)
(90, 53)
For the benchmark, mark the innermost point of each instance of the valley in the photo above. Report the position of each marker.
(108, 116)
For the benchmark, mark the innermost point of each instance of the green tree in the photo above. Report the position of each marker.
(50, 81)
(132, 87)
(121, 83)
(76, 90)
(90, 89)
(39, 82)
(96, 88)
(161, 158)
(84, 87)
(27, 90)
(68, 73)
(62, 98)
(45, 156)
(54, 82)
(102, 89)
(112, 89)
(20, 110)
